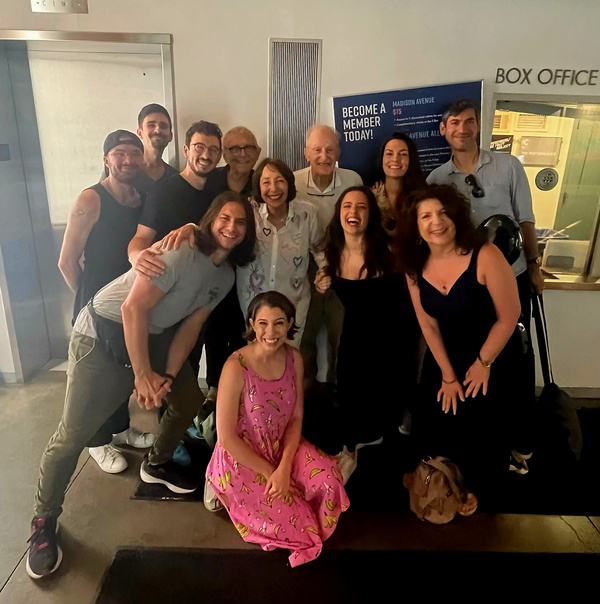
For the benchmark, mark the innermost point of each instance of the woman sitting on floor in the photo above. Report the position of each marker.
(279, 490)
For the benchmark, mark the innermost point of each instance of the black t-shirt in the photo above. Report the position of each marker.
(143, 183)
(220, 174)
(173, 202)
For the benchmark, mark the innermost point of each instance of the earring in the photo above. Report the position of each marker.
(419, 240)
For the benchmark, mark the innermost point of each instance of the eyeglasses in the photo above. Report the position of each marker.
(239, 149)
(201, 148)
(319, 193)
(476, 190)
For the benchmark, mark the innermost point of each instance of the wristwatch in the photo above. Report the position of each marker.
(535, 260)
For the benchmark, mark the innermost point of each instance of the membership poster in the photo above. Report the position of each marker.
(365, 120)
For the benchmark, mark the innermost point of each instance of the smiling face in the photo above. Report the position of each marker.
(202, 154)
(155, 131)
(273, 188)
(124, 162)
(322, 151)
(435, 226)
(395, 158)
(271, 327)
(354, 213)
(229, 227)
(461, 131)
(240, 150)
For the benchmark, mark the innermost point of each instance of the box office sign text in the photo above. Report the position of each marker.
(555, 77)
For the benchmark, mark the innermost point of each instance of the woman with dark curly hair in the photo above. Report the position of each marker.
(466, 299)
(379, 336)
(398, 175)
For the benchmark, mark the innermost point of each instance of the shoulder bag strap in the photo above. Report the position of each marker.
(438, 464)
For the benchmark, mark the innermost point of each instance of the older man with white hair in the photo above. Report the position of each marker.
(322, 183)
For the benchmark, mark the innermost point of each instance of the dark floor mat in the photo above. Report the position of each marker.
(152, 575)
(555, 487)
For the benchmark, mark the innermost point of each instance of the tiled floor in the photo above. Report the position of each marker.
(100, 516)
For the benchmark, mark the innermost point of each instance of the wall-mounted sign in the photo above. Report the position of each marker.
(365, 120)
(502, 143)
(555, 77)
(59, 6)
(540, 150)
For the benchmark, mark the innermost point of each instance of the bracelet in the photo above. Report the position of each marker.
(486, 364)
(169, 376)
(533, 260)
(450, 382)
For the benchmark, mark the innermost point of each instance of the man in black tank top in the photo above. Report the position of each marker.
(94, 252)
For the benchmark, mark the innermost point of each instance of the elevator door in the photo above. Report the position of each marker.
(67, 96)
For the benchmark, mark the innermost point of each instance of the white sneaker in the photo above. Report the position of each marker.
(134, 438)
(108, 458)
(347, 462)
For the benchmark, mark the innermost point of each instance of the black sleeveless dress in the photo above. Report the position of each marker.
(376, 367)
(476, 437)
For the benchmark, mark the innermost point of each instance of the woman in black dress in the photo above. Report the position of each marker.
(379, 336)
(466, 300)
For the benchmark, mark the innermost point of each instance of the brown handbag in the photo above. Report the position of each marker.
(437, 492)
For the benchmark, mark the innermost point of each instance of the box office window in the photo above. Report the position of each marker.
(559, 147)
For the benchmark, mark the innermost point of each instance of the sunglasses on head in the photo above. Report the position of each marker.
(476, 190)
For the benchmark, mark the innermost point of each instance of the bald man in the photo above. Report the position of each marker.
(322, 183)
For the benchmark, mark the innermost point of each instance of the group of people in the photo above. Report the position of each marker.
(165, 264)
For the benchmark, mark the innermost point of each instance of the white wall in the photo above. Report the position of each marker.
(221, 66)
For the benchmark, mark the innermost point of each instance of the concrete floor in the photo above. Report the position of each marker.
(100, 516)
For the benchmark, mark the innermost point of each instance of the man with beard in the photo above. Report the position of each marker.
(156, 131)
(94, 252)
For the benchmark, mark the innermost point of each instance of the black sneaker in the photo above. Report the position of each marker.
(172, 475)
(45, 554)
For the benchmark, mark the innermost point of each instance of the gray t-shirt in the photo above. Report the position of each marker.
(190, 281)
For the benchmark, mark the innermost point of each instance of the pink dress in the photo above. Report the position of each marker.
(306, 517)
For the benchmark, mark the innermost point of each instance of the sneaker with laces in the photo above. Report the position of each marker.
(134, 438)
(211, 502)
(172, 475)
(108, 458)
(347, 462)
(44, 555)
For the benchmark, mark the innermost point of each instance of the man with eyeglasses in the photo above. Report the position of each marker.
(494, 183)
(322, 183)
(240, 152)
(94, 252)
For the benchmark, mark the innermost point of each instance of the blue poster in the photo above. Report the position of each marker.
(365, 120)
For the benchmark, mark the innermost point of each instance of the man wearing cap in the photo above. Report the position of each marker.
(322, 183)
(94, 252)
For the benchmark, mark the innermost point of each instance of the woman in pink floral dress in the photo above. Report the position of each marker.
(279, 490)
